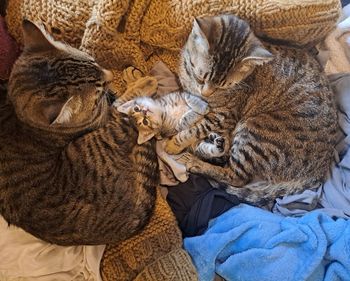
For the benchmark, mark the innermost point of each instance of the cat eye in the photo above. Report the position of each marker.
(145, 122)
(137, 108)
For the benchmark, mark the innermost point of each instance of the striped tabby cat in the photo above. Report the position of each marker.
(274, 105)
(169, 115)
(71, 171)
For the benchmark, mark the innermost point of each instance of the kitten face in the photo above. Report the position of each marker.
(56, 85)
(147, 115)
(220, 53)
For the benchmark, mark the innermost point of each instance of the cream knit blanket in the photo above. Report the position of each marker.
(119, 33)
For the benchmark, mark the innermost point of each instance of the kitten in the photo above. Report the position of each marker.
(71, 169)
(169, 115)
(274, 106)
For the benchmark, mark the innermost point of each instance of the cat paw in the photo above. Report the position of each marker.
(218, 141)
(131, 74)
(172, 147)
(191, 162)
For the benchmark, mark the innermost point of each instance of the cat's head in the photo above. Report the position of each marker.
(147, 116)
(220, 52)
(54, 86)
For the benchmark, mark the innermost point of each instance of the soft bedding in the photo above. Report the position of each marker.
(247, 243)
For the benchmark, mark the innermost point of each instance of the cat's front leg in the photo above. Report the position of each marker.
(179, 142)
(224, 175)
(196, 104)
(200, 131)
(189, 119)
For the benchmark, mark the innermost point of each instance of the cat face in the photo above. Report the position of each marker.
(147, 115)
(220, 53)
(54, 85)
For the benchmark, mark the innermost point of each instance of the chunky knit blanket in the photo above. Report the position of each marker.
(119, 33)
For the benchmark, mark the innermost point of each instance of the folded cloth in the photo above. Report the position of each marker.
(248, 243)
(334, 51)
(25, 257)
(171, 172)
(196, 202)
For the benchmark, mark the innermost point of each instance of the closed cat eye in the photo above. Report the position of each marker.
(137, 108)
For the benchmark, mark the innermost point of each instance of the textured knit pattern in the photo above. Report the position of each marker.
(119, 33)
(154, 254)
(116, 32)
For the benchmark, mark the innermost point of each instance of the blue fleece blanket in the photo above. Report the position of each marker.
(247, 243)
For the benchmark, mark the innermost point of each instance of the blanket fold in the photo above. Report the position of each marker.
(247, 243)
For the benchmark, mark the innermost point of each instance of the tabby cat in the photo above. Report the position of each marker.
(71, 171)
(170, 114)
(273, 104)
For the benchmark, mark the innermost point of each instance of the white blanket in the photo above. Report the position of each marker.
(24, 257)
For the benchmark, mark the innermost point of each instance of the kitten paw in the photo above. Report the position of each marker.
(131, 74)
(172, 147)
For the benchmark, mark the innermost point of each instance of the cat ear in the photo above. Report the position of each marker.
(258, 55)
(200, 31)
(144, 136)
(51, 109)
(59, 112)
(126, 108)
(34, 39)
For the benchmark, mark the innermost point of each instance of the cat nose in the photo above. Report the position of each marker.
(108, 75)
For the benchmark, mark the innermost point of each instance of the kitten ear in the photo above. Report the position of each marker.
(258, 55)
(34, 38)
(144, 136)
(126, 108)
(200, 31)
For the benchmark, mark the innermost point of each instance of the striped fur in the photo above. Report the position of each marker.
(79, 179)
(274, 105)
(169, 115)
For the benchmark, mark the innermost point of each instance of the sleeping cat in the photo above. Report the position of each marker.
(71, 169)
(169, 115)
(274, 106)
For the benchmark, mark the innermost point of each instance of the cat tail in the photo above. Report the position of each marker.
(263, 194)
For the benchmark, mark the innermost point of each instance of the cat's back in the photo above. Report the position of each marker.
(291, 114)
(292, 82)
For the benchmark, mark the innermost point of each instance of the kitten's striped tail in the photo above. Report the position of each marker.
(262, 193)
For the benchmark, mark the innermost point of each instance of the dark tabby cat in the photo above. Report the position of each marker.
(71, 171)
(274, 105)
